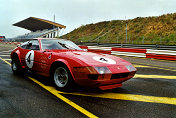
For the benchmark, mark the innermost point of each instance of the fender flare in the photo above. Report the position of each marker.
(18, 54)
(64, 62)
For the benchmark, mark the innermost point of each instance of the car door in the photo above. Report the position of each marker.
(43, 62)
(41, 59)
(34, 58)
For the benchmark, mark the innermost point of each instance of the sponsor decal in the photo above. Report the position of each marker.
(104, 60)
(49, 57)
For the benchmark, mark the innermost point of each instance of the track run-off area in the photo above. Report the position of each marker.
(150, 94)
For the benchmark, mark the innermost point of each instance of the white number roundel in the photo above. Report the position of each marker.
(104, 60)
(29, 58)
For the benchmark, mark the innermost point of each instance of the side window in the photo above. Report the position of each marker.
(33, 45)
(24, 45)
(29, 45)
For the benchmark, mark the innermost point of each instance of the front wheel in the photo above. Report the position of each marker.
(62, 77)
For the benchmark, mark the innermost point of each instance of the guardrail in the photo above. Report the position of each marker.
(157, 47)
(145, 53)
(161, 54)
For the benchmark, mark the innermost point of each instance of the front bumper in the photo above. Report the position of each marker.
(106, 81)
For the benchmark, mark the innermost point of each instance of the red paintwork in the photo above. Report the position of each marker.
(99, 51)
(74, 58)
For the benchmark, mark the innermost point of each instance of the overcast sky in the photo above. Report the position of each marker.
(74, 13)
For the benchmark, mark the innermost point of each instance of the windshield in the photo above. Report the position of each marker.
(48, 44)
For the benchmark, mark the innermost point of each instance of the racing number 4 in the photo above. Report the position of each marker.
(29, 59)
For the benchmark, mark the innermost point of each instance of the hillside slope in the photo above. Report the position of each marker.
(148, 30)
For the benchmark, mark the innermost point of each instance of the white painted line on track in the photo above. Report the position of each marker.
(7, 51)
(4, 55)
(7, 59)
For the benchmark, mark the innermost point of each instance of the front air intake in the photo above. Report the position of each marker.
(119, 75)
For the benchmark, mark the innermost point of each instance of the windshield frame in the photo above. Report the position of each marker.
(61, 43)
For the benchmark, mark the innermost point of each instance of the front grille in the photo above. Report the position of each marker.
(119, 75)
(93, 77)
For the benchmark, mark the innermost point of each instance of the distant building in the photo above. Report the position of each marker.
(39, 28)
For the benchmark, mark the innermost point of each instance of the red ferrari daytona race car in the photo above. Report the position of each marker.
(66, 63)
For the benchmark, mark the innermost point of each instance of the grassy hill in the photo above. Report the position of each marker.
(147, 30)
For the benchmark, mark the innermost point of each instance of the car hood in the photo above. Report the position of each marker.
(95, 59)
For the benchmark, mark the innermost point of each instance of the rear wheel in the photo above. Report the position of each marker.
(16, 66)
(62, 77)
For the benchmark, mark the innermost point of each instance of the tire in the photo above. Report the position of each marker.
(62, 78)
(16, 66)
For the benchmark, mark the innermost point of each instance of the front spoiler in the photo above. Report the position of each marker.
(105, 87)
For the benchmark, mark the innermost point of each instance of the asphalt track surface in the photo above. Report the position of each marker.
(150, 94)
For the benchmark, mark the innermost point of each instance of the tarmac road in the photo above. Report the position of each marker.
(150, 94)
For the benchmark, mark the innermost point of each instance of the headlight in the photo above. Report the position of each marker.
(103, 70)
(130, 68)
(87, 70)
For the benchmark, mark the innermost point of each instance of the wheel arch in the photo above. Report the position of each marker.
(16, 53)
(62, 63)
